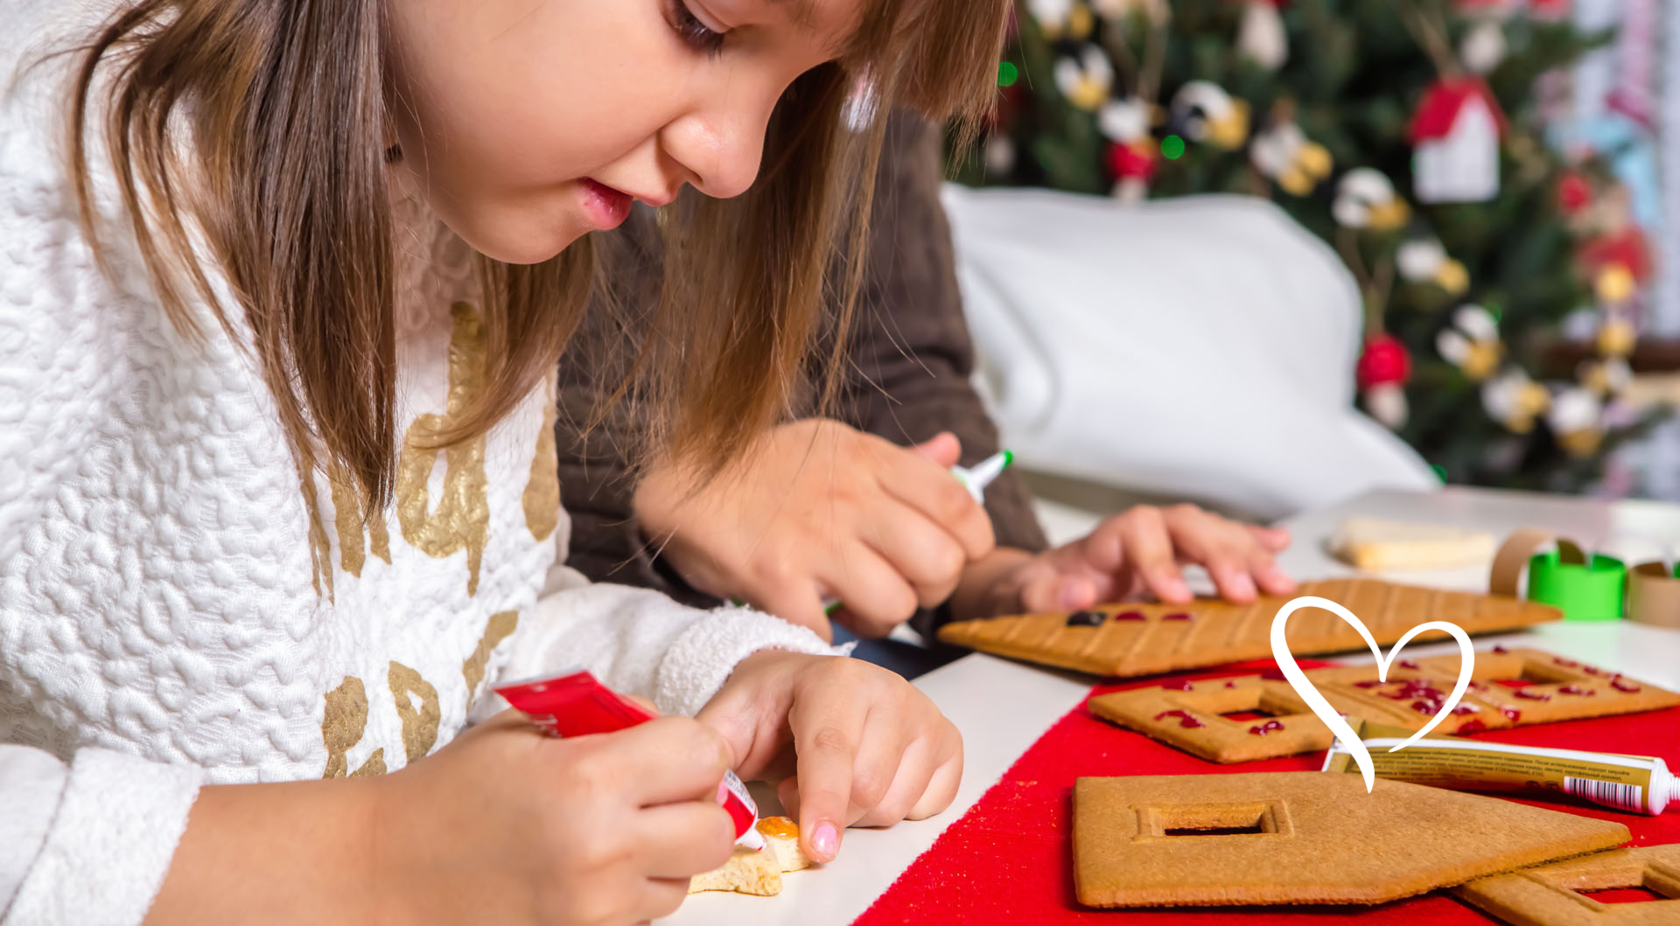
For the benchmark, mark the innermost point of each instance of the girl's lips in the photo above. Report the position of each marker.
(607, 207)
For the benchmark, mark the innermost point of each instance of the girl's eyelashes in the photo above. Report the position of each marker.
(692, 30)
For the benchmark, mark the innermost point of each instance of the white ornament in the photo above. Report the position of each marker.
(1419, 259)
(1124, 120)
(1365, 198)
(1515, 400)
(1000, 156)
(1483, 46)
(1050, 13)
(1386, 402)
(1085, 83)
(1575, 409)
(1262, 37)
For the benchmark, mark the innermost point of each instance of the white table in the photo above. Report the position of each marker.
(1003, 707)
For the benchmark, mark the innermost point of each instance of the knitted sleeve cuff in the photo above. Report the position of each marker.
(700, 660)
(111, 842)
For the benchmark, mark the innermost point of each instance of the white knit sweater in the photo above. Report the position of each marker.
(178, 607)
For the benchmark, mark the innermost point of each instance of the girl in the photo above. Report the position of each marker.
(282, 287)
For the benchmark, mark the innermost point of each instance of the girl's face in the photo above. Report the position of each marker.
(534, 122)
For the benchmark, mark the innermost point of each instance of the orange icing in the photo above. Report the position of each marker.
(779, 826)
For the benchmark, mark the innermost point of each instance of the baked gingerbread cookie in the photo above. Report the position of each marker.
(758, 871)
(1514, 687)
(1126, 641)
(1560, 894)
(1302, 838)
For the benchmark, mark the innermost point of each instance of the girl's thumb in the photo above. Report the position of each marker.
(943, 449)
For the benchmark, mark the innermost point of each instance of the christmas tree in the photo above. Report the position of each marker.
(1408, 135)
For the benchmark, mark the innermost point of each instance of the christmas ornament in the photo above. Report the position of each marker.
(1615, 285)
(1383, 370)
(1605, 378)
(1472, 343)
(1365, 199)
(1425, 260)
(1514, 400)
(1483, 46)
(1549, 10)
(1262, 38)
(1000, 155)
(1085, 80)
(1455, 143)
(1577, 421)
(1616, 335)
(1131, 156)
(1062, 20)
(1283, 154)
(1574, 192)
(1153, 10)
(1202, 111)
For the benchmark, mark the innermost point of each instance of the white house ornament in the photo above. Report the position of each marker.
(1425, 260)
(1284, 155)
(1472, 343)
(1366, 200)
(1203, 112)
(1262, 38)
(1085, 79)
(1455, 137)
(1514, 400)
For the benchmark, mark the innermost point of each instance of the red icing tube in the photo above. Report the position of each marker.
(575, 703)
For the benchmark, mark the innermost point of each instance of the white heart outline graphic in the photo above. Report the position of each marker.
(1331, 717)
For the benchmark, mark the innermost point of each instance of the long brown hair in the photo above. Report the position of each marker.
(286, 107)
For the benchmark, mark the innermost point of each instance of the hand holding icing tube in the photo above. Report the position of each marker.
(1640, 784)
(975, 479)
(574, 703)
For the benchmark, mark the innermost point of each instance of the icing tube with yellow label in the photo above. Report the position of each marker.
(1640, 784)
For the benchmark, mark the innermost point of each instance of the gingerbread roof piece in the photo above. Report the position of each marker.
(1552, 894)
(1302, 838)
(1131, 640)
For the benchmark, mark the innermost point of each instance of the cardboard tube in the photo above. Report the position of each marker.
(1584, 588)
(1654, 595)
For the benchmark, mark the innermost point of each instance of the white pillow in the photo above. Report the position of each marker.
(1199, 348)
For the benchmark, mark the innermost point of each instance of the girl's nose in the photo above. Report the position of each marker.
(720, 146)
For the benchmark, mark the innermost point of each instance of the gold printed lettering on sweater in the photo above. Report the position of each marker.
(341, 729)
(420, 724)
(352, 524)
(461, 520)
(542, 492)
(501, 626)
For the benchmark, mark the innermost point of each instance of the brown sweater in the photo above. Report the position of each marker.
(910, 351)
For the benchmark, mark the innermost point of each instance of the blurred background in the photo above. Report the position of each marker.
(1265, 254)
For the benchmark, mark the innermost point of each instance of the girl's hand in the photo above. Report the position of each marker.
(821, 509)
(862, 746)
(503, 825)
(1141, 551)
(508, 825)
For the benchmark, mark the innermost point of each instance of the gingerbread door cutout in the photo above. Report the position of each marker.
(1301, 838)
(1560, 894)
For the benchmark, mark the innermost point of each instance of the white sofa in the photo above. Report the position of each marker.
(1200, 349)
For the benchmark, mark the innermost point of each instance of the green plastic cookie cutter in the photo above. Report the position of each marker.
(1585, 589)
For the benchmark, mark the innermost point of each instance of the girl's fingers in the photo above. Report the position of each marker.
(1273, 579)
(1275, 539)
(683, 839)
(928, 557)
(933, 491)
(662, 896)
(1149, 549)
(942, 789)
(796, 601)
(826, 738)
(659, 762)
(875, 595)
(907, 780)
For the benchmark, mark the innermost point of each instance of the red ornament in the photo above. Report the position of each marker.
(1574, 192)
(1132, 160)
(1384, 362)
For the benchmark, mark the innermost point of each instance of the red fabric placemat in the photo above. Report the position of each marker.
(1010, 858)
